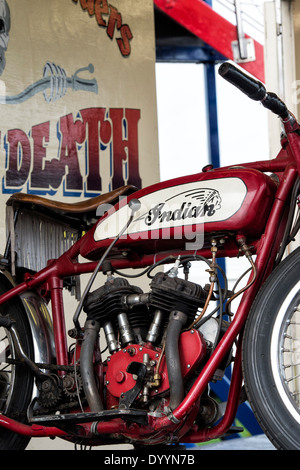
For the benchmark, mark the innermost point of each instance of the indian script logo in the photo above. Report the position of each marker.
(195, 204)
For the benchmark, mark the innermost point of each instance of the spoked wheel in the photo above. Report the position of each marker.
(271, 355)
(16, 381)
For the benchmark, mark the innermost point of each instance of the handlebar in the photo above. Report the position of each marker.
(253, 89)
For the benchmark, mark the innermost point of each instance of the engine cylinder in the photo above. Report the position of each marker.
(108, 306)
(173, 293)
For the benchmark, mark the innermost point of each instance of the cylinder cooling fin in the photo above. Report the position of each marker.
(106, 302)
(108, 306)
(173, 293)
(166, 294)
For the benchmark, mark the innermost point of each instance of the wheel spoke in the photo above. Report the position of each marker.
(290, 355)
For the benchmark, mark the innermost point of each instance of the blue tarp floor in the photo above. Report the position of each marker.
(260, 442)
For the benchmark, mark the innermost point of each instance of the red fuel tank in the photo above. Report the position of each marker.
(184, 210)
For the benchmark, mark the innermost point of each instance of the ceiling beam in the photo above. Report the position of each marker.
(201, 20)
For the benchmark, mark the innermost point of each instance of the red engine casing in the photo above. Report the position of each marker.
(192, 349)
(178, 211)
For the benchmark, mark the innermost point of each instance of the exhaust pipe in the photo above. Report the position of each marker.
(176, 321)
(91, 331)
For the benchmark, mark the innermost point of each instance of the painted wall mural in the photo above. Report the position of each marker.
(77, 97)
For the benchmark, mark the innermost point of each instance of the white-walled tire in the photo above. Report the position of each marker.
(271, 355)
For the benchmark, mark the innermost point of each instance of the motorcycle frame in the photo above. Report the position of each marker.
(49, 281)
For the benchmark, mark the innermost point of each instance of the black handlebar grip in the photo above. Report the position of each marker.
(248, 85)
(274, 104)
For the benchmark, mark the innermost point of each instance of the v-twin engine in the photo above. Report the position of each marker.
(152, 352)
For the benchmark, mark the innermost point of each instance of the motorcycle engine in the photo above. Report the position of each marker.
(135, 324)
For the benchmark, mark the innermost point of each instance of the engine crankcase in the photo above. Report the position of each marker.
(192, 349)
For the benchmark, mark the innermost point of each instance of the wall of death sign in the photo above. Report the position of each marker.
(77, 97)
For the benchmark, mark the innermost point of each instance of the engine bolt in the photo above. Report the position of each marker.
(131, 351)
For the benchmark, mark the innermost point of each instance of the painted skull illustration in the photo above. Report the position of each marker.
(4, 30)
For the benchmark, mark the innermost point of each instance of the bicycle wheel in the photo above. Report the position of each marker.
(16, 381)
(271, 355)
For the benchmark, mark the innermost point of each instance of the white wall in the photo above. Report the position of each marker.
(183, 140)
(182, 121)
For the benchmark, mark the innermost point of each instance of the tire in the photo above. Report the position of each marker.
(271, 344)
(16, 381)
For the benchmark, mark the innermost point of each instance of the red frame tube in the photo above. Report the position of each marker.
(220, 429)
(58, 317)
(30, 431)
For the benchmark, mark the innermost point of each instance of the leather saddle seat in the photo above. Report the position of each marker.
(80, 214)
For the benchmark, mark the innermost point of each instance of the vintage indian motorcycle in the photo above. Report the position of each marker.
(164, 344)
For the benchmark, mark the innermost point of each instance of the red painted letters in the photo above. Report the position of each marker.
(101, 8)
(29, 165)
